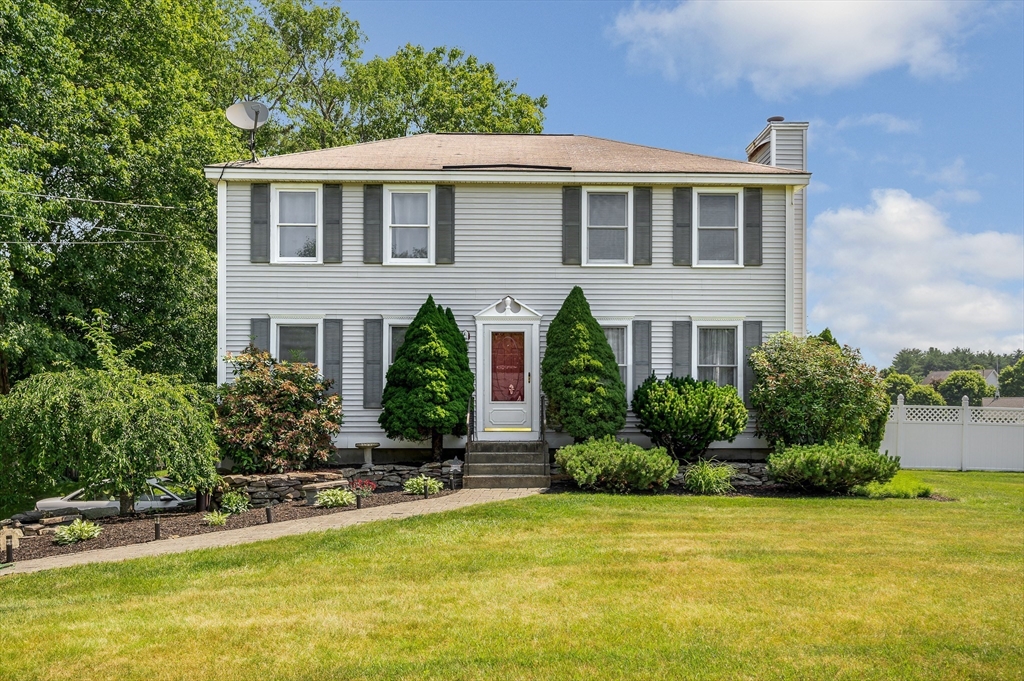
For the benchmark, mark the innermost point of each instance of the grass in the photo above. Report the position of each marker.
(572, 586)
(904, 485)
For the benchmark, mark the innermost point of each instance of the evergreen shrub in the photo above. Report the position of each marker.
(831, 468)
(616, 466)
(685, 416)
(430, 383)
(579, 374)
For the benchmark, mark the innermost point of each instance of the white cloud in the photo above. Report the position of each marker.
(886, 122)
(783, 45)
(894, 274)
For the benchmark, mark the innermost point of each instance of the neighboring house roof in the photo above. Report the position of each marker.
(471, 151)
(1015, 402)
(934, 377)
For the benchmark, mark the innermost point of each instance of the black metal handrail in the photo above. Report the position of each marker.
(471, 419)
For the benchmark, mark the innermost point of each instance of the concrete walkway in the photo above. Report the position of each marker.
(461, 499)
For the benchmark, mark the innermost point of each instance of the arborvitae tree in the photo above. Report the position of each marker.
(462, 378)
(427, 386)
(579, 373)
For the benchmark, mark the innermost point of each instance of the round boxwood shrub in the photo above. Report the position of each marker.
(685, 416)
(616, 466)
(831, 468)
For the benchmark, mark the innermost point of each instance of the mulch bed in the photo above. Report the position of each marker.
(139, 529)
(769, 490)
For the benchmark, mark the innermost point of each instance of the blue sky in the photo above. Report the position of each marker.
(916, 221)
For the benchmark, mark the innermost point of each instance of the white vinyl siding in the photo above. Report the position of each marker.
(508, 242)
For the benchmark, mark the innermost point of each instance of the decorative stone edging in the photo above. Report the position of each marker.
(266, 490)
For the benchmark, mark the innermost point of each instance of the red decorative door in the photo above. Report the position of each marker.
(508, 366)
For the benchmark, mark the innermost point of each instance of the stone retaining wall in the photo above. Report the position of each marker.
(266, 490)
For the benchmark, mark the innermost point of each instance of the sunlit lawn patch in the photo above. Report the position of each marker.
(569, 586)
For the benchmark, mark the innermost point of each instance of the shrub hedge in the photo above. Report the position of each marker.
(616, 466)
(831, 468)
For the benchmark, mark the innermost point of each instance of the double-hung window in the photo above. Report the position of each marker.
(717, 355)
(297, 229)
(617, 337)
(607, 222)
(409, 218)
(297, 340)
(717, 217)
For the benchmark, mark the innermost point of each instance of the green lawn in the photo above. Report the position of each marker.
(571, 586)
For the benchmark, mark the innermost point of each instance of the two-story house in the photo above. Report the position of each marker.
(688, 261)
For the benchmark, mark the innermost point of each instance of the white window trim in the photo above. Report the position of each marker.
(306, 320)
(695, 221)
(585, 226)
(275, 234)
(719, 323)
(627, 324)
(431, 224)
(388, 323)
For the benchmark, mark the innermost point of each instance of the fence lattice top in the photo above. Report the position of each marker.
(997, 415)
(932, 414)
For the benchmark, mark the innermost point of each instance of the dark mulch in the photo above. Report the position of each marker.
(139, 529)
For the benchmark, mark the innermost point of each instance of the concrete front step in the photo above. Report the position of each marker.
(478, 446)
(505, 481)
(477, 458)
(515, 468)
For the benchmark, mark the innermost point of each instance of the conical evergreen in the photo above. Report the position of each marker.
(579, 373)
(427, 387)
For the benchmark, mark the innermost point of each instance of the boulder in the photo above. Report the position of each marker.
(14, 534)
(61, 520)
(256, 486)
(94, 513)
(744, 480)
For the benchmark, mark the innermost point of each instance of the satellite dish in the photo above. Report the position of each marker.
(248, 116)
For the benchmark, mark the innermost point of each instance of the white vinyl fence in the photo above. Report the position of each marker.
(960, 438)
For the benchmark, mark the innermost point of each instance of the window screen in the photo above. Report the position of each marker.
(716, 356)
(410, 225)
(616, 336)
(607, 226)
(296, 222)
(296, 343)
(718, 228)
(397, 338)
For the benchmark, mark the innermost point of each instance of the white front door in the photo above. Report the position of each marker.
(507, 386)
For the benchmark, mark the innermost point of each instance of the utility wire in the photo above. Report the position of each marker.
(95, 225)
(112, 203)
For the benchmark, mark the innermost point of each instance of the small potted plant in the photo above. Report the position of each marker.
(363, 489)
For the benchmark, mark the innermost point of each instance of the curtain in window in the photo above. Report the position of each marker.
(616, 336)
(716, 356)
(408, 209)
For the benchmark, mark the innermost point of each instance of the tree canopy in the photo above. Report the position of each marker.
(919, 363)
(110, 109)
(112, 426)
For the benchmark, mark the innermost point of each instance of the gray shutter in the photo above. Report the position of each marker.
(641, 225)
(751, 340)
(682, 225)
(259, 332)
(641, 354)
(259, 223)
(373, 362)
(752, 226)
(682, 339)
(572, 219)
(332, 223)
(444, 226)
(373, 224)
(333, 338)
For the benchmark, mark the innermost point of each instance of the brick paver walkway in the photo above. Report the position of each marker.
(461, 499)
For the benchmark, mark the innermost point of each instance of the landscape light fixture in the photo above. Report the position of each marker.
(248, 116)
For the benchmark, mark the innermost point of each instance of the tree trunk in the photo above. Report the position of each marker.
(437, 444)
(127, 504)
(5, 377)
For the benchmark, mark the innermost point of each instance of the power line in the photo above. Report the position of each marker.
(112, 203)
(95, 225)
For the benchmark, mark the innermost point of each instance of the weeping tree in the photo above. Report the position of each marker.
(113, 426)
(430, 383)
(579, 373)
